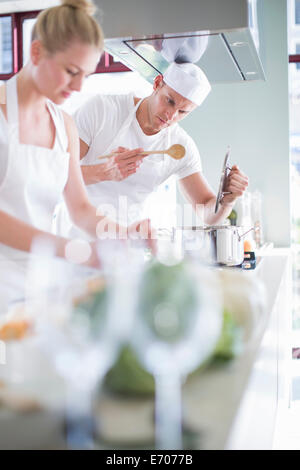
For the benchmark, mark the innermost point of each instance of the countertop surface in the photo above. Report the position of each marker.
(220, 405)
(223, 402)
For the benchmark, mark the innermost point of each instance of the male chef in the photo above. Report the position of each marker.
(123, 126)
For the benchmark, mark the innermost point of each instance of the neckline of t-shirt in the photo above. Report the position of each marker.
(160, 135)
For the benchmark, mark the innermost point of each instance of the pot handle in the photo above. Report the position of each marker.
(242, 236)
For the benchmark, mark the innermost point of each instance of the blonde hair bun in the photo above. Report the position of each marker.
(88, 7)
(59, 26)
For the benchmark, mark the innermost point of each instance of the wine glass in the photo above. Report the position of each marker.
(170, 246)
(177, 325)
(199, 246)
(80, 331)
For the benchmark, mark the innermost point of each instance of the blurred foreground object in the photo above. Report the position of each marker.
(244, 303)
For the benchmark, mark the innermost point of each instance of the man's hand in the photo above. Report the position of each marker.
(122, 164)
(236, 184)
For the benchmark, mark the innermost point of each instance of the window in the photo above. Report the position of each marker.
(6, 47)
(27, 27)
(106, 64)
(297, 52)
(15, 36)
(297, 12)
(294, 121)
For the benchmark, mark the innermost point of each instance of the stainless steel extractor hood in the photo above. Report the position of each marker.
(221, 36)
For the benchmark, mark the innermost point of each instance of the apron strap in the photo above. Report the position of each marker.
(12, 103)
(123, 128)
(59, 123)
(131, 115)
(127, 123)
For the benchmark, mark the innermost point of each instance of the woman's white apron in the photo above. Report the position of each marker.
(33, 184)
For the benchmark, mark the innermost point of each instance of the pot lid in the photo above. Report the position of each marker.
(222, 181)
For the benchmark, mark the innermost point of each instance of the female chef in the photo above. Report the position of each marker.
(39, 145)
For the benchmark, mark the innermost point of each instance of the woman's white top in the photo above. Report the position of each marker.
(32, 181)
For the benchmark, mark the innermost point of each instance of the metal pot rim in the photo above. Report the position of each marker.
(210, 227)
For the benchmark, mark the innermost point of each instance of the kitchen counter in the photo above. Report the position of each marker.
(238, 403)
(228, 407)
(233, 406)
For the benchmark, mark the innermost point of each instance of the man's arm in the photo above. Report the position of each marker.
(118, 167)
(84, 148)
(198, 192)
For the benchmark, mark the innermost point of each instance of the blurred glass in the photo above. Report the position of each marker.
(178, 319)
(79, 327)
(195, 243)
(170, 249)
(257, 218)
(199, 245)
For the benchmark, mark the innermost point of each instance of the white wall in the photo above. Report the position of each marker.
(253, 119)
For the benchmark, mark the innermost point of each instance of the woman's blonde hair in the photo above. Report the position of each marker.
(59, 26)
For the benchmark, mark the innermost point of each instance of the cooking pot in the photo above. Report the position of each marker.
(227, 243)
(221, 244)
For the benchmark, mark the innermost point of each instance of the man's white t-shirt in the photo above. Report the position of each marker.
(100, 122)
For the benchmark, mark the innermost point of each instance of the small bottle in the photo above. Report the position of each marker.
(257, 218)
(232, 217)
(249, 245)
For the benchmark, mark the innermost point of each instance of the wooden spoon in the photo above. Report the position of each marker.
(176, 151)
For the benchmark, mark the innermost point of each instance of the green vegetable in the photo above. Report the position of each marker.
(168, 300)
(165, 290)
(128, 377)
(230, 341)
(92, 309)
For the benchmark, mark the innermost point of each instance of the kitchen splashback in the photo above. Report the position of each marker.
(221, 36)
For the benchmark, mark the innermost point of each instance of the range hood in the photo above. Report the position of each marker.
(221, 36)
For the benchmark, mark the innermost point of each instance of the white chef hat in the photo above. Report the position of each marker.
(188, 80)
